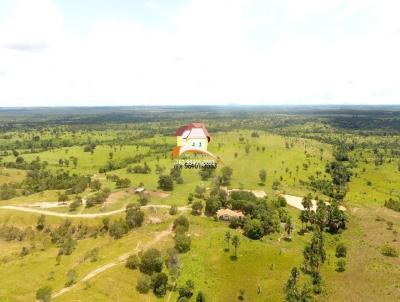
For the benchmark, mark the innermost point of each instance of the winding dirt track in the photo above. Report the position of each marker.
(159, 236)
(94, 215)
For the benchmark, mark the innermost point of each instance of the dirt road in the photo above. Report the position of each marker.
(80, 215)
(159, 236)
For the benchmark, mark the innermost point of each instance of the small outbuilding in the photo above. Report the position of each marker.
(227, 214)
(139, 190)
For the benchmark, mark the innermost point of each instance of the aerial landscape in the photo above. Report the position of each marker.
(305, 202)
(199, 150)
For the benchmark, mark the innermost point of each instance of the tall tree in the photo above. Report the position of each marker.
(236, 243)
(228, 238)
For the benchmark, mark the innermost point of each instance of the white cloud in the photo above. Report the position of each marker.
(245, 51)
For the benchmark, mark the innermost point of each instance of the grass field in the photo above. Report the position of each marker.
(262, 267)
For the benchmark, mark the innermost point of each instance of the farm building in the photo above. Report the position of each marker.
(226, 214)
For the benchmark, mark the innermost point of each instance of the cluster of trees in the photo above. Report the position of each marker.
(8, 190)
(339, 170)
(138, 169)
(176, 174)
(182, 238)
(235, 241)
(98, 197)
(152, 278)
(73, 159)
(119, 181)
(326, 217)
(116, 165)
(314, 256)
(134, 218)
(262, 216)
(21, 164)
(89, 147)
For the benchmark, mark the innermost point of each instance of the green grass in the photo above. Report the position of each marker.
(266, 263)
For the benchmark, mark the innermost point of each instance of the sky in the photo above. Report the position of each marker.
(199, 52)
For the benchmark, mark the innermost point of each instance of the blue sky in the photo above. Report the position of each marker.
(120, 52)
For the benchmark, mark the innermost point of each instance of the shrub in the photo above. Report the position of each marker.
(182, 242)
(389, 251)
(393, 204)
(234, 223)
(341, 250)
(75, 204)
(143, 199)
(173, 210)
(93, 254)
(67, 247)
(132, 262)
(253, 229)
(72, 275)
(43, 294)
(143, 284)
(200, 297)
(134, 218)
(166, 183)
(197, 207)
(151, 261)
(341, 265)
(186, 290)
(24, 251)
(159, 283)
(118, 229)
(183, 222)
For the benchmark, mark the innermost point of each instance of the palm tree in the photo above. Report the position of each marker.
(228, 237)
(289, 227)
(307, 203)
(235, 243)
(303, 218)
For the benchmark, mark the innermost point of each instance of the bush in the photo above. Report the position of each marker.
(234, 223)
(200, 297)
(67, 247)
(182, 242)
(151, 261)
(186, 290)
(173, 210)
(197, 207)
(341, 265)
(143, 199)
(212, 206)
(134, 218)
(72, 275)
(75, 204)
(166, 183)
(43, 294)
(118, 229)
(393, 204)
(132, 262)
(143, 284)
(389, 251)
(24, 251)
(253, 229)
(41, 222)
(159, 283)
(341, 250)
(93, 254)
(183, 222)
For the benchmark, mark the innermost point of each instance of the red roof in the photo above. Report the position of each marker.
(190, 126)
